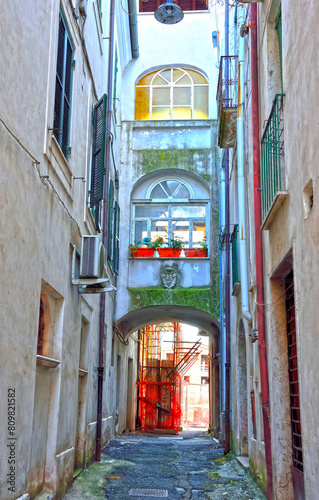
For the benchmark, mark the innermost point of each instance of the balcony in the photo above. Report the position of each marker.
(227, 101)
(272, 172)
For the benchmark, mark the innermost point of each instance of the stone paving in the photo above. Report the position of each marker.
(190, 466)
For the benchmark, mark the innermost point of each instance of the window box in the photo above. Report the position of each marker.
(169, 252)
(142, 252)
(195, 252)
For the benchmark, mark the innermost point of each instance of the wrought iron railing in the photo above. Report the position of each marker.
(227, 83)
(272, 152)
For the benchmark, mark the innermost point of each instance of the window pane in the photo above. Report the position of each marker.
(188, 211)
(182, 113)
(167, 74)
(181, 96)
(182, 192)
(177, 73)
(158, 192)
(200, 102)
(197, 77)
(140, 230)
(199, 232)
(160, 96)
(146, 79)
(184, 81)
(158, 80)
(180, 230)
(170, 186)
(150, 211)
(161, 114)
(142, 97)
(159, 229)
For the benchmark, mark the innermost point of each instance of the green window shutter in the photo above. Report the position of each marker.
(116, 239)
(98, 152)
(110, 221)
(279, 29)
(63, 87)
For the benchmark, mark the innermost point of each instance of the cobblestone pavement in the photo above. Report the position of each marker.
(190, 466)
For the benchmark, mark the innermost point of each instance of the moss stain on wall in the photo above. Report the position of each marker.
(194, 160)
(199, 298)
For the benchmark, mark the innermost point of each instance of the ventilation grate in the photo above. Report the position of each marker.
(135, 492)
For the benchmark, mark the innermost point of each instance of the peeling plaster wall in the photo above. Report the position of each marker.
(38, 224)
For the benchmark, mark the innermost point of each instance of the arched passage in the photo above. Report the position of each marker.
(138, 318)
(158, 366)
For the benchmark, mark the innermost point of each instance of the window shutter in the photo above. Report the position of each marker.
(98, 151)
(63, 87)
(110, 221)
(116, 239)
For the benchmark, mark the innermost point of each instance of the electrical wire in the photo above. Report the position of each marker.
(43, 178)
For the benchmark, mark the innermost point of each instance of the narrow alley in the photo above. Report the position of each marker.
(189, 466)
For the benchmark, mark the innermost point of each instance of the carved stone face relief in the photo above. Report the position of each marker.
(169, 277)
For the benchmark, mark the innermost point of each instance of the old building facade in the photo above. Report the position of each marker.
(272, 231)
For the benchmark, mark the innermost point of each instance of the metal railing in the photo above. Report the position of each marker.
(227, 83)
(272, 151)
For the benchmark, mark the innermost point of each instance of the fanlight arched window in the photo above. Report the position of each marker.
(170, 213)
(172, 94)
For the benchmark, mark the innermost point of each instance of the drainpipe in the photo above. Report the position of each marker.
(241, 174)
(227, 262)
(259, 251)
(132, 6)
(105, 233)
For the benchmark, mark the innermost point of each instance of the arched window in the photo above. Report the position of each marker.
(172, 94)
(170, 211)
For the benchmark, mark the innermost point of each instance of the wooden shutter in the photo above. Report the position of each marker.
(98, 151)
(110, 221)
(116, 239)
(63, 86)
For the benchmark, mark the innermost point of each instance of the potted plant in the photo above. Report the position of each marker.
(173, 249)
(137, 250)
(197, 252)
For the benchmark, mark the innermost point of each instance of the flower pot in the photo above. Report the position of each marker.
(169, 252)
(142, 252)
(195, 252)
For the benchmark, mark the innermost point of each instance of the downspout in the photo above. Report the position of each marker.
(105, 232)
(259, 251)
(241, 174)
(132, 6)
(227, 261)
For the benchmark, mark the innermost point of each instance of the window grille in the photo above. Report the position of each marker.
(272, 152)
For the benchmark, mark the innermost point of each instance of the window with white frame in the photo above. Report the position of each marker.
(170, 212)
(172, 94)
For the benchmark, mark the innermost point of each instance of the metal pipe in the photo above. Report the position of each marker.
(241, 175)
(227, 260)
(132, 6)
(259, 251)
(105, 233)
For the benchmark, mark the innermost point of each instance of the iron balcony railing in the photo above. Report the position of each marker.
(272, 153)
(227, 84)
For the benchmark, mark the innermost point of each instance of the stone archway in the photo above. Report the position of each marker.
(138, 318)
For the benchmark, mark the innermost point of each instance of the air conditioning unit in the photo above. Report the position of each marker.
(83, 7)
(93, 258)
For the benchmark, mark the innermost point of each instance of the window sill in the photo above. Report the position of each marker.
(47, 362)
(82, 373)
(60, 165)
